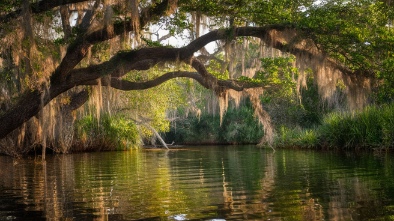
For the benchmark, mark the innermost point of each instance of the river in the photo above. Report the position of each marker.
(199, 183)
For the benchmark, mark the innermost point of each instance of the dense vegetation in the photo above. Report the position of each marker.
(77, 74)
(239, 126)
(371, 128)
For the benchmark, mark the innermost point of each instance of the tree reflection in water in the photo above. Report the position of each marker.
(198, 183)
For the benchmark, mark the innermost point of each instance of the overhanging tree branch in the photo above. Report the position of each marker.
(127, 85)
(141, 59)
(145, 58)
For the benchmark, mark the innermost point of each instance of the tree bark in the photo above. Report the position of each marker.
(65, 16)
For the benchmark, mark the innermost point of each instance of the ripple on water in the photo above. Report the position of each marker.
(208, 184)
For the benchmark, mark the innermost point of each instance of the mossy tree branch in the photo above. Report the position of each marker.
(67, 77)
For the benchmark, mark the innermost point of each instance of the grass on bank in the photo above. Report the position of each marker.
(371, 128)
(105, 134)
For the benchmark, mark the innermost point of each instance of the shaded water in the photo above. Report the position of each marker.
(203, 183)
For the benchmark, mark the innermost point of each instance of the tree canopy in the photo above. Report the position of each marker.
(58, 50)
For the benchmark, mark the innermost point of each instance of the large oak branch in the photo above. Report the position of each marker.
(126, 85)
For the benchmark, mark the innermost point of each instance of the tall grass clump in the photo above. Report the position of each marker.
(369, 128)
(106, 133)
(372, 127)
(387, 114)
(296, 138)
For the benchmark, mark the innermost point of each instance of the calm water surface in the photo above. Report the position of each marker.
(199, 183)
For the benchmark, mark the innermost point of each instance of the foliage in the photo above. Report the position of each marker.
(370, 128)
(280, 73)
(217, 70)
(9, 5)
(354, 32)
(238, 127)
(358, 130)
(106, 133)
(151, 106)
(312, 109)
(192, 130)
(289, 104)
(385, 93)
(297, 137)
(248, 11)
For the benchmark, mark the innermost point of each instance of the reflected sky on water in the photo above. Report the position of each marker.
(199, 183)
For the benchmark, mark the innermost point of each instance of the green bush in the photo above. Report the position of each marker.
(106, 133)
(239, 126)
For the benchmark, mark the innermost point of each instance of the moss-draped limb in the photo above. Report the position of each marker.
(142, 59)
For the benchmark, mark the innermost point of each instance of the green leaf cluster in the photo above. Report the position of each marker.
(385, 94)
(280, 73)
(356, 33)
(152, 105)
(112, 132)
(216, 69)
(9, 5)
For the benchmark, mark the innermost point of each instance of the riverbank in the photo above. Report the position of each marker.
(370, 129)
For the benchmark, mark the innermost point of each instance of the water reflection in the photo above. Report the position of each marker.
(207, 183)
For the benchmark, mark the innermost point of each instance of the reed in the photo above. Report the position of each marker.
(372, 127)
(296, 138)
(356, 130)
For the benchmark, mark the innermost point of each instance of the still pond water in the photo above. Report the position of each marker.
(199, 183)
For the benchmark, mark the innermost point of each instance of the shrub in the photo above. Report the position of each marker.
(106, 133)
(239, 126)
(373, 127)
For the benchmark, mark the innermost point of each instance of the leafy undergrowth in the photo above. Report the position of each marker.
(239, 126)
(105, 134)
(371, 128)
